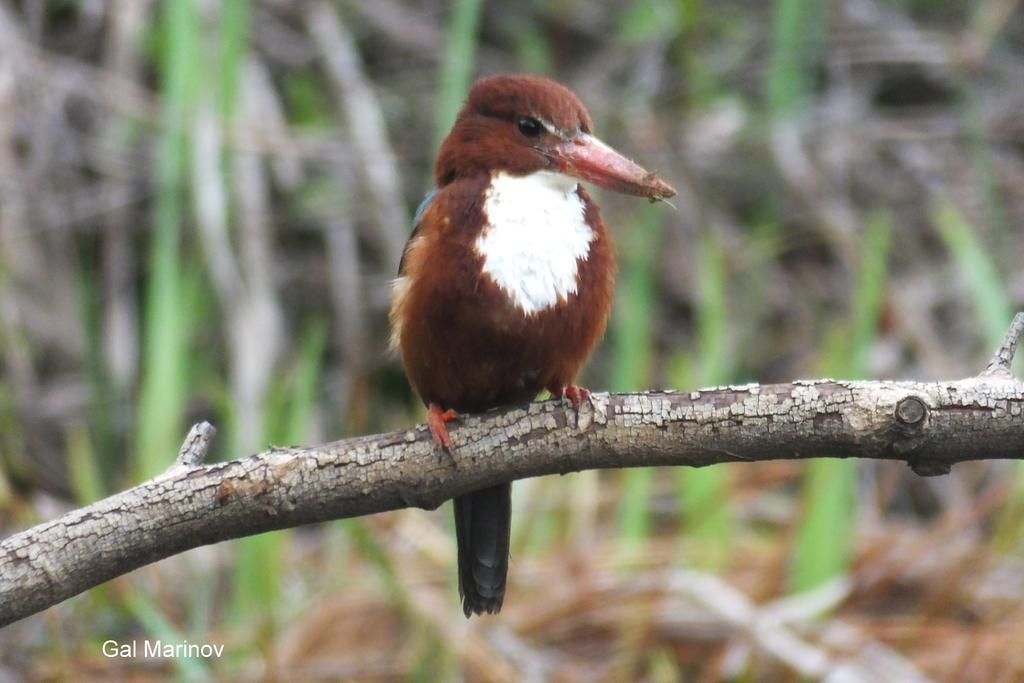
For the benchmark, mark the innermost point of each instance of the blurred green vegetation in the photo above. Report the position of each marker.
(850, 206)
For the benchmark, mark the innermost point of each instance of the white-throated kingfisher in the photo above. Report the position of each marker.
(506, 283)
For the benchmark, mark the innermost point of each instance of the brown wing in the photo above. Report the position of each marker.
(416, 227)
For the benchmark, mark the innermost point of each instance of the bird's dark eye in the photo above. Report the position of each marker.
(531, 128)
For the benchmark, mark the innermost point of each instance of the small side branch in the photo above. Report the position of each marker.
(196, 444)
(1002, 359)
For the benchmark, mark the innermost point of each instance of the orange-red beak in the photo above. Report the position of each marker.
(587, 158)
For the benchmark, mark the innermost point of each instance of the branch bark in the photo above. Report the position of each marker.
(929, 425)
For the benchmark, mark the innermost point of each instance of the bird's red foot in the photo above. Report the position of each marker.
(576, 395)
(436, 419)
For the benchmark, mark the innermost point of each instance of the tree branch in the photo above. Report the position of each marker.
(930, 425)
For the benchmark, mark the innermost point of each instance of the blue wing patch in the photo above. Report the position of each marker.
(416, 226)
(423, 207)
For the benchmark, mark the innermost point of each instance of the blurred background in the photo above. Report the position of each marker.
(202, 204)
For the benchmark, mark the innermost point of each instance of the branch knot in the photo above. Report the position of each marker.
(911, 411)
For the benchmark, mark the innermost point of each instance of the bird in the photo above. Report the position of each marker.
(505, 285)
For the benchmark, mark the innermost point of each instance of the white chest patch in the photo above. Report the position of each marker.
(534, 237)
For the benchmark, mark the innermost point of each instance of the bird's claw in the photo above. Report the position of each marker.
(436, 419)
(576, 395)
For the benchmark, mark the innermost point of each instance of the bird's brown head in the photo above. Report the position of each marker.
(522, 123)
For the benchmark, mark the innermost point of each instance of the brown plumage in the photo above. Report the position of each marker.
(465, 345)
(467, 342)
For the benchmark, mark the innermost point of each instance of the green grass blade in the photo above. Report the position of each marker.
(631, 335)
(797, 31)
(994, 310)
(234, 34)
(164, 388)
(15, 462)
(83, 467)
(712, 312)
(631, 320)
(457, 65)
(260, 562)
(533, 52)
(158, 627)
(705, 492)
(106, 400)
(690, 13)
(377, 555)
(6, 493)
(646, 21)
(634, 522)
(824, 537)
(433, 658)
(870, 291)
(991, 301)
(308, 368)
